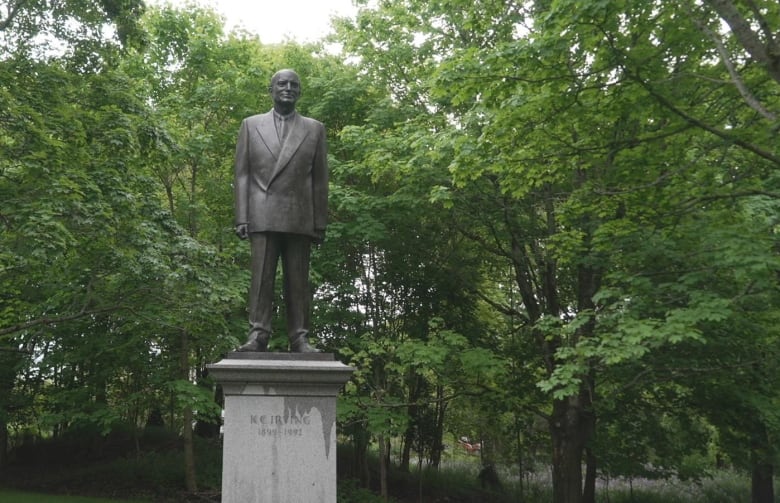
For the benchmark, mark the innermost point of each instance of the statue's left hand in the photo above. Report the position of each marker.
(319, 236)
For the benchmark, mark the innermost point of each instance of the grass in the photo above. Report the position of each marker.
(114, 471)
(724, 487)
(458, 482)
(156, 475)
(25, 497)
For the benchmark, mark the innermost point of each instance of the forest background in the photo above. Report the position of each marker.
(553, 229)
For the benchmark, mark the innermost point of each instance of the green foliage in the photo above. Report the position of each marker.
(591, 149)
(26, 497)
(349, 491)
(121, 277)
(549, 221)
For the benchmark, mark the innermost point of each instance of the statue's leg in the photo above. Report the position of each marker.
(297, 293)
(265, 255)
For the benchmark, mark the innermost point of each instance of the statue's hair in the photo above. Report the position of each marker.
(275, 76)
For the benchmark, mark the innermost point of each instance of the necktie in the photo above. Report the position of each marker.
(283, 127)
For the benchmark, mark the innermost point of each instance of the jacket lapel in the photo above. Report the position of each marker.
(295, 137)
(267, 131)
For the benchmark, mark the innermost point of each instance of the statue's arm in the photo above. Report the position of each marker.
(241, 182)
(320, 181)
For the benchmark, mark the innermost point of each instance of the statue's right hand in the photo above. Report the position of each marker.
(242, 231)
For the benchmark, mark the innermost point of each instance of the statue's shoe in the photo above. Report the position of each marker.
(303, 346)
(255, 344)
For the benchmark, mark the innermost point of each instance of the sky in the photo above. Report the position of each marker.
(274, 21)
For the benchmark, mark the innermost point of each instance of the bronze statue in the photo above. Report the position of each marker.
(281, 199)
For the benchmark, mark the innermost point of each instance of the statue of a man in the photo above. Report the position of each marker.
(281, 200)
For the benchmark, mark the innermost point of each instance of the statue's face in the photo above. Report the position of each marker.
(286, 88)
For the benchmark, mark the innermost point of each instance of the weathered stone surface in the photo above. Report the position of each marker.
(280, 428)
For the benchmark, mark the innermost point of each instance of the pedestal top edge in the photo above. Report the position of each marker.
(279, 365)
(253, 355)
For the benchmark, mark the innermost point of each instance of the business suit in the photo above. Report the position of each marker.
(281, 198)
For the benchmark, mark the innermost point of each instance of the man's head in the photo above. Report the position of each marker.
(285, 90)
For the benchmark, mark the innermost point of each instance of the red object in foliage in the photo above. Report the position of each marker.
(468, 446)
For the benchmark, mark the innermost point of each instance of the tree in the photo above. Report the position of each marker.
(97, 265)
(577, 144)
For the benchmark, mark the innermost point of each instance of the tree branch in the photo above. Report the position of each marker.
(725, 57)
(698, 123)
(57, 319)
(768, 55)
(502, 308)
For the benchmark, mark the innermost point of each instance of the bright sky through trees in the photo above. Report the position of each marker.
(275, 21)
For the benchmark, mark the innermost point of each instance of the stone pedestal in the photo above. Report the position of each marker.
(280, 426)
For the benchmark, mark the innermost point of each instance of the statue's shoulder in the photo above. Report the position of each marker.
(312, 123)
(254, 119)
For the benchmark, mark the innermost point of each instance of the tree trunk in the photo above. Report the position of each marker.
(520, 462)
(567, 470)
(569, 430)
(3, 445)
(208, 429)
(383, 467)
(762, 486)
(361, 441)
(408, 440)
(406, 449)
(589, 492)
(416, 384)
(8, 366)
(190, 477)
(437, 442)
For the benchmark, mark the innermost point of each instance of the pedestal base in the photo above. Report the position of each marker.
(280, 426)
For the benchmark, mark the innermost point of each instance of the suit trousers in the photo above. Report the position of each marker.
(294, 250)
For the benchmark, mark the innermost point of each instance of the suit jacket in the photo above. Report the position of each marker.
(282, 188)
